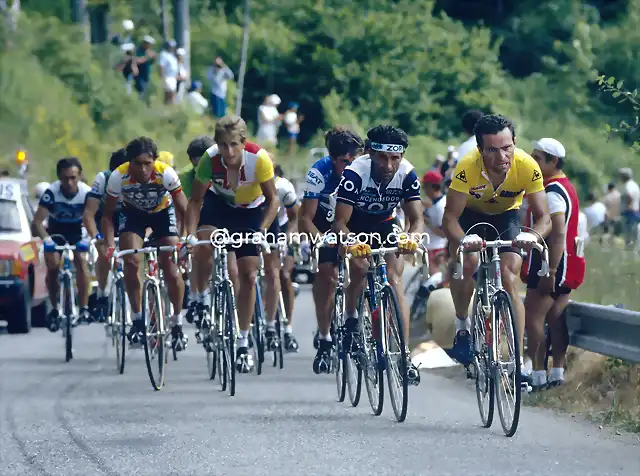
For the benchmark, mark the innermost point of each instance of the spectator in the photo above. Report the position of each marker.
(469, 120)
(630, 203)
(168, 65)
(145, 57)
(269, 120)
(218, 75)
(128, 66)
(183, 74)
(611, 202)
(195, 99)
(126, 37)
(595, 212)
(292, 122)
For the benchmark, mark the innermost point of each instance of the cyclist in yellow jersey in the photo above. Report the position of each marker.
(151, 194)
(234, 188)
(487, 186)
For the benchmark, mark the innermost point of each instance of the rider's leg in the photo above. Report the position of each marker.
(52, 261)
(84, 282)
(271, 294)
(323, 285)
(131, 275)
(288, 297)
(245, 282)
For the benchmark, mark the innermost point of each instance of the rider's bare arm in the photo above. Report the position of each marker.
(540, 208)
(292, 214)
(91, 206)
(180, 201)
(38, 222)
(305, 216)
(110, 204)
(413, 212)
(273, 203)
(198, 190)
(456, 203)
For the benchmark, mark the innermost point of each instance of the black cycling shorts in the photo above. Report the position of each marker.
(115, 218)
(71, 232)
(219, 214)
(533, 280)
(507, 224)
(162, 223)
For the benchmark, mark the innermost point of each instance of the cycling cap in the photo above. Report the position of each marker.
(550, 146)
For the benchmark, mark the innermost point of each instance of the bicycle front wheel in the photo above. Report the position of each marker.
(278, 351)
(258, 331)
(155, 337)
(230, 320)
(396, 354)
(119, 309)
(507, 371)
(68, 317)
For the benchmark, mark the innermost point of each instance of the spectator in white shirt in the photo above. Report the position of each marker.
(195, 99)
(292, 122)
(630, 204)
(183, 75)
(595, 212)
(168, 64)
(469, 121)
(269, 120)
(218, 75)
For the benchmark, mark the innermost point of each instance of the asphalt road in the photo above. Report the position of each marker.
(82, 418)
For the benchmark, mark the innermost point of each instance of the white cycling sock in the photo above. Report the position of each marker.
(463, 324)
(176, 320)
(136, 316)
(556, 373)
(325, 337)
(193, 296)
(271, 325)
(243, 340)
(101, 293)
(200, 297)
(288, 330)
(206, 296)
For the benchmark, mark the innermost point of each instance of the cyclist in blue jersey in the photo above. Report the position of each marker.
(63, 205)
(370, 190)
(317, 214)
(92, 217)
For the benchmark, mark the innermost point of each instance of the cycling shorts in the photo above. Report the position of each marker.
(533, 279)
(163, 223)
(507, 223)
(218, 213)
(72, 233)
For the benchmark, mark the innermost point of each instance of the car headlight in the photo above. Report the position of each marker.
(6, 268)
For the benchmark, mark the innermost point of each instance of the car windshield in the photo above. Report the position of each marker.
(9, 216)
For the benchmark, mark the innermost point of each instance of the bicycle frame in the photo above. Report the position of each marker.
(67, 271)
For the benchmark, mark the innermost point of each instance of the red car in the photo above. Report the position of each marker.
(23, 295)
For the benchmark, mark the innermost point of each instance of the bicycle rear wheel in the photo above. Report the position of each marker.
(119, 313)
(155, 337)
(337, 322)
(258, 331)
(483, 356)
(507, 377)
(68, 317)
(373, 371)
(396, 354)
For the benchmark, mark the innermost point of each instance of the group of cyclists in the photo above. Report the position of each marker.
(364, 186)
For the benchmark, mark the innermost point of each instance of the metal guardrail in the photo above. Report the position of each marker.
(605, 330)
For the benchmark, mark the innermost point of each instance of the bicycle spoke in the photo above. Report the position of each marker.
(373, 371)
(154, 335)
(397, 364)
(485, 390)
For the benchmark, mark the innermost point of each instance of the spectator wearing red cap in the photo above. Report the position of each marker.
(432, 186)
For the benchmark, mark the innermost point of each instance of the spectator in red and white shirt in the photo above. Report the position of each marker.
(547, 297)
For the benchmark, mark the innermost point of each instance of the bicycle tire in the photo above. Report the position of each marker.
(121, 323)
(278, 352)
(401, 404)
(211, 344)
(483, 356)
(373, 371)
(353, 371)
(68, 320)
(337, 322)
(230, 336)
(221, 340)
(257, 330)
(154, 334)
(418, 307)
(501, 300)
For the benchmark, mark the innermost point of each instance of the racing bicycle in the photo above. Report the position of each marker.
(496, 362)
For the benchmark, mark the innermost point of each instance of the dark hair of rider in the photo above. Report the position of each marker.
(198, 146)
(140, 146)
(341, 141)
(118, 158)
(470, 119)
(388, 135)
(277, 169)
(67, 163)
(492, 124)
